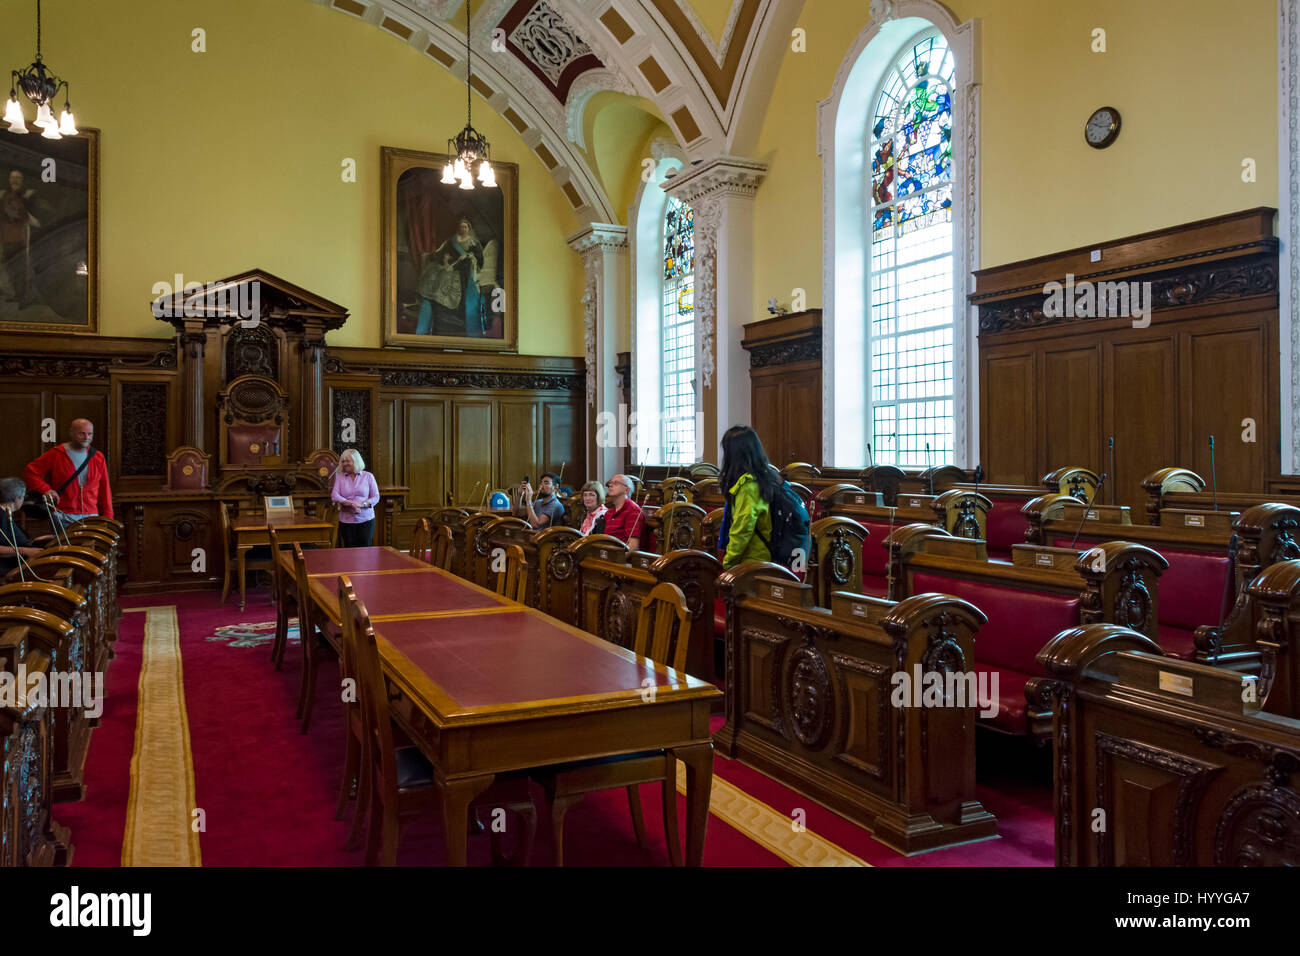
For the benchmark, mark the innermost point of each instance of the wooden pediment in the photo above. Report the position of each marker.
(243, 297)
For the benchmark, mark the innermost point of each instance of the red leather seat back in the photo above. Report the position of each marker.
(875, 557)
(1019, 622)
(1004, 525)
(1191, 589)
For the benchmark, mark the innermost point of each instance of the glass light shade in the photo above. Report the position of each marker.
(14, 117)
(487, 175)
(467, 181)
(448, 175)
(67, 123)
(458, 169)
(44, 117)
(52, 132)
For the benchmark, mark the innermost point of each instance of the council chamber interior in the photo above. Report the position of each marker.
(381, 384)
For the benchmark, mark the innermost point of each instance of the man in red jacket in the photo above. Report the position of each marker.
(74, 495)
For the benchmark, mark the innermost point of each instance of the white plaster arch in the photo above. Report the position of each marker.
(516, 87)
(580, 93)
(841, 141)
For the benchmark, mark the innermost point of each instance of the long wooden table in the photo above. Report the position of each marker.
(484, 686)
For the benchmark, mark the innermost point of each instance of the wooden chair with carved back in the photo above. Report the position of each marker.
(311, 638)
(512, 580)
(422, 540)
(257, 558)
(187, 469)
(662, 635)
(441, 548)
(285, 591)
(401, 781)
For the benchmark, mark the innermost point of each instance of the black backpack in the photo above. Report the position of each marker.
(790, 524)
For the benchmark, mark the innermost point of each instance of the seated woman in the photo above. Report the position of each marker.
(593, 508)
(356, 493)
(14, 543)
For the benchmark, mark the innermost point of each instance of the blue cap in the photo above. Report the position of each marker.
(499, 502)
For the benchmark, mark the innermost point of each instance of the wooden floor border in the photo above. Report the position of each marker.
(770, 829)
(160, 812)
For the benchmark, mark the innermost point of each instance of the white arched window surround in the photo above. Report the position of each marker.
(647, 246)
(843, 132)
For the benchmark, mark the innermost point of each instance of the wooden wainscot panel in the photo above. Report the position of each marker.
(1197, 357)
(820, 699)
(785, 371)
(1186, 769)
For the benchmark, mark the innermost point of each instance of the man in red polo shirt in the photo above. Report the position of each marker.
(623, 520)
(81, 496)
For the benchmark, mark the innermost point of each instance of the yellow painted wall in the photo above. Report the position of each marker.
(713, 14)
(1196, 87)
(217, 162)
(619, 129)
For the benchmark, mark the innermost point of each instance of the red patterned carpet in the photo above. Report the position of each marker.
(268, 792)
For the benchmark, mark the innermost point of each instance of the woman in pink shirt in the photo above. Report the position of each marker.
(593, 506)
(356, 493)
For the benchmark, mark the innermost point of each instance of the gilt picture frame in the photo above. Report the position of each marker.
(49, 233)
(449, 269)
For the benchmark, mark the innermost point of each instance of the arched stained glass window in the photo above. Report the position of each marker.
(911, 276)
(678, 424)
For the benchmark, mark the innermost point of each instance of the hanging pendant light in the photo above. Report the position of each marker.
(469, 147)
(40, 86)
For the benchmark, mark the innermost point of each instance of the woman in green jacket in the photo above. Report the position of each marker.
(751, 484)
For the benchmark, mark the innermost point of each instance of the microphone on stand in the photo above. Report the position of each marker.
(1078, 531)
(1111, 442)
(1214, 481)
(929, 466)
(979, 476)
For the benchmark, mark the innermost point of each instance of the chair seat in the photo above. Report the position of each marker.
(601, 773)
(413, 770)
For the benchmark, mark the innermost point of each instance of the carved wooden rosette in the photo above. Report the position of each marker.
(836, 560)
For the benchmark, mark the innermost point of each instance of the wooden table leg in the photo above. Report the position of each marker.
(457, 795)
(699, 785)
(242, 575)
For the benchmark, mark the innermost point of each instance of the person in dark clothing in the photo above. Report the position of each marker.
(13, 541)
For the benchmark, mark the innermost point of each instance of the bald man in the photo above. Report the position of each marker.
(73, 476)
(623, 520)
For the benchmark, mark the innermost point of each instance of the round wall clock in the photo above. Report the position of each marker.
(1102, 127)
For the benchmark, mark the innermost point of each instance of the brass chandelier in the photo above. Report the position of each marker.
(39, 84)
(469, 147)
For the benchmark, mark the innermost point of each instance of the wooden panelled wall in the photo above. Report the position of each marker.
(1054, 389)
(785, 375)
(448, 432)
(438, 423)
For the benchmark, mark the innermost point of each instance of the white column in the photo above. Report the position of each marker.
(721, 191)
(603, 248)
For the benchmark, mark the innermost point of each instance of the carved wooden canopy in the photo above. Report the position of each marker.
(249, 298)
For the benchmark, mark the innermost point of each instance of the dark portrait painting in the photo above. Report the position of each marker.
(449, 256)
(49, 203)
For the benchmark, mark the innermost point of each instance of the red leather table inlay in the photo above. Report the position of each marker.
(513, 658)
(412, 592)
(345, 560)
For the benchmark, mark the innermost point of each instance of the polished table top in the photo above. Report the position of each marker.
(484, 685)
(257, 522)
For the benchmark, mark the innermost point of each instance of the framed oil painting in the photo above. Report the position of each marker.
(450, 256)
(49, 233)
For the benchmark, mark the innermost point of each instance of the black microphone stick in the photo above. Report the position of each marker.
(1214, 481)
(1111, 442)
(1078, 531)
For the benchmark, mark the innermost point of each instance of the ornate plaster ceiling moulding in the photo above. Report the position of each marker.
(718, 49)
(721, 176)
(503, 73)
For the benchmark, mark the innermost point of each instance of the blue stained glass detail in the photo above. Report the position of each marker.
(679, 239)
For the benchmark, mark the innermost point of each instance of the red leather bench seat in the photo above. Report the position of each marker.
(1191, 594)
(1019, 624)
(1004, 526)
(875, 558)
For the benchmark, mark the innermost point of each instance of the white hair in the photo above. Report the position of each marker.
(358, 463)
